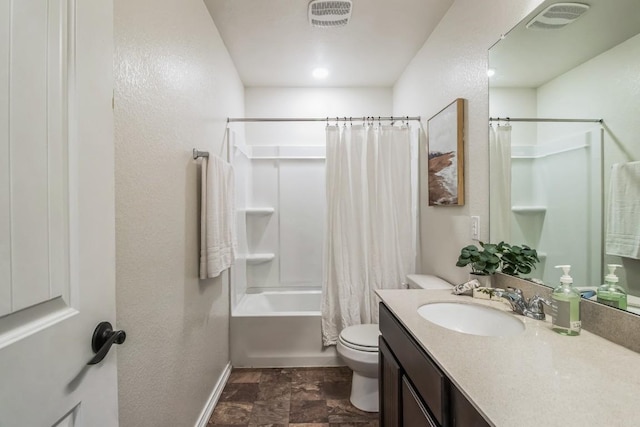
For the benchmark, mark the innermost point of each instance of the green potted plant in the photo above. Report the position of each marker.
(517, 260)
(484, 262)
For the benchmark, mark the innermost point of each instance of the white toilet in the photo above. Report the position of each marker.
(358, 347)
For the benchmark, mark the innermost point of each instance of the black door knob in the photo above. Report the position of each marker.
(103, 338)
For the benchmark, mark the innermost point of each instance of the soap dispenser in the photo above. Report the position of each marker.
(566, 305)
(611, 293)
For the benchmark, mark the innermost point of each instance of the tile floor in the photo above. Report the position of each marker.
(296, 397)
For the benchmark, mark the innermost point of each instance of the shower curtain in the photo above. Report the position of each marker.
(500, 183)
(370, 229)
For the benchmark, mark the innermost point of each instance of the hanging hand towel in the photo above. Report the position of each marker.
(623, 223)
(217, 220)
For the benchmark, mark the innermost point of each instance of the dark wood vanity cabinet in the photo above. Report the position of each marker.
(414, 392)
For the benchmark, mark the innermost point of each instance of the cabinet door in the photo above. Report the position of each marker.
(390, 383)
(464, 414)
(426, 377)
(414, 414)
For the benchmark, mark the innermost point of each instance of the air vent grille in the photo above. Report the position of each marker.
(557, 16)
(327, 14)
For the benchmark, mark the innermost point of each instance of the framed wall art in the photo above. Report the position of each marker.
(445, 149)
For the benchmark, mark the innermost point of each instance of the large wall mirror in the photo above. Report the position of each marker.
(561, 181)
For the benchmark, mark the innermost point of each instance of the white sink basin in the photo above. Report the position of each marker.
(471, 319)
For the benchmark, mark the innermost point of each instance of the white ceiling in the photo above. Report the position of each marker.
(272, 43)
(530, 58)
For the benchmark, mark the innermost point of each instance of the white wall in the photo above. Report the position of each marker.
(453, 64)
(293, 187)
(308, 102)
(516, 102)
(174, 87)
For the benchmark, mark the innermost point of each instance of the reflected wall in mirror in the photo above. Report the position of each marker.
(552, 185)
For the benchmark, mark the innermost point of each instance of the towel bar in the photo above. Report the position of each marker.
(197, 154)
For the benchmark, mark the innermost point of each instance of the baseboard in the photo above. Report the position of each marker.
(258, 360)
(214, 397)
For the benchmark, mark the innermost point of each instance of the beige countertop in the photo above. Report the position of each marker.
(535, 378)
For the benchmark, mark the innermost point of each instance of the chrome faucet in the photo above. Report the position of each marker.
(532, 308)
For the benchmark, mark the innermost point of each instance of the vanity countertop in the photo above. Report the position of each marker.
(535, 378)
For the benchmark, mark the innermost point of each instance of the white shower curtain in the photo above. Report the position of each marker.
(370, 234)
(500, 183)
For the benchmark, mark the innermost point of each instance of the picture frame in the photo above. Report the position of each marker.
(445, 154)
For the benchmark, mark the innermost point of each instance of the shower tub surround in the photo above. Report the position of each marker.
(279, 328)
(275, 283)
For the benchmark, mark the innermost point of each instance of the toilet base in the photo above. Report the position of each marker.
(364, 393)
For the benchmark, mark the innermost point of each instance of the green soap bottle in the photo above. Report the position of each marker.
(611, 293)
(566, 305)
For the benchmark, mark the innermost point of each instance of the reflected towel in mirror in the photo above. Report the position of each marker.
(623, 224)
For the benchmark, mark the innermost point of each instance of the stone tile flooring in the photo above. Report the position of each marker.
(296, 397)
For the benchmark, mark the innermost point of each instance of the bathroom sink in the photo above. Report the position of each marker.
(471, 319)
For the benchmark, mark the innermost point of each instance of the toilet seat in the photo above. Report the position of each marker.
(361, 337)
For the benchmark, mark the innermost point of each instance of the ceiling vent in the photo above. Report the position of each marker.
(328, 14)
(557, 16)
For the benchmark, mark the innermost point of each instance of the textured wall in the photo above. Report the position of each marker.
(175, 86)
(453, 64)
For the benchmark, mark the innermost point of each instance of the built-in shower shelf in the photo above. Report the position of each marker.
(259, 211)
(259, 258)
(542, 255)
(528, 209)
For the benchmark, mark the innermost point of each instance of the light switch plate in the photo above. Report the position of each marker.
(475, 228)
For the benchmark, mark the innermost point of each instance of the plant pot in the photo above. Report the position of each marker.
(485, 280)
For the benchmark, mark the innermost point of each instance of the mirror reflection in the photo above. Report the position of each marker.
(562, 181)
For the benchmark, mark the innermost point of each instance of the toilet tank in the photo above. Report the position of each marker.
(427, 281)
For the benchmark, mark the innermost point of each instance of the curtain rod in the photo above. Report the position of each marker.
(519, 119)
(321, 119)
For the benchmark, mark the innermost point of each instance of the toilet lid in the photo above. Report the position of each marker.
(361, 337)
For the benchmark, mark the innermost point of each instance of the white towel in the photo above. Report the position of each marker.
(217, 220)
(623, 224)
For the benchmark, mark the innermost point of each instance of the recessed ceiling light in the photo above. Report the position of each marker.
(320, 73)
(491, 72)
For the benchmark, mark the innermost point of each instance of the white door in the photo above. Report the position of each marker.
(57, 246)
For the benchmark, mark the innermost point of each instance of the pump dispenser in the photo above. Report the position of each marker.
(611, 293)
(566, 305)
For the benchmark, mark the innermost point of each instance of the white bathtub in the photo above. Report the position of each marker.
(279, 329)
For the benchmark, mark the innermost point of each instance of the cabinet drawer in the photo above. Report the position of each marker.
(426, 377)
(414, 414)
